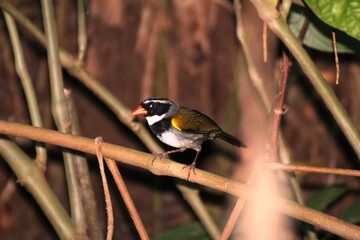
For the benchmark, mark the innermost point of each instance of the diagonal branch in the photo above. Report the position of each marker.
(165, 167)
(30, 176)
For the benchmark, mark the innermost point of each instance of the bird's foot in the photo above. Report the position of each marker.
(191, 167)
(166, 154)
(159, 155)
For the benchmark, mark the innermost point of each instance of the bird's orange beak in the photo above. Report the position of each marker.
(139, 111)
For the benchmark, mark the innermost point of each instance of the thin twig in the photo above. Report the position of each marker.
(264, 39)
(323, 170)
(303, 30)
(127, 198)
(278, 109)
(336, 58)
(109, 209)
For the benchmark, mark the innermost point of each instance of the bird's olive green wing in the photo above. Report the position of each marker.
(189, 120)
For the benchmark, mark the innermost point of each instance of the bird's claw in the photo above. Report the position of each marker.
(158, 155)
(191, 167)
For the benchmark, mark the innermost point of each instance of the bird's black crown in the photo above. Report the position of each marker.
(157, 106)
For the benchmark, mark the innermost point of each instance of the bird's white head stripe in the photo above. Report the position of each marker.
(156, 101)
(154, 119)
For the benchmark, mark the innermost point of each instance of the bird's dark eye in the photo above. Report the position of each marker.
(151, 106)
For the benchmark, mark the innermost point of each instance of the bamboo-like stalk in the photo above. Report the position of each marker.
(30, 176)
(90, 213)
(82, 36)
(61, 114)
(28, 87)
(165, 167)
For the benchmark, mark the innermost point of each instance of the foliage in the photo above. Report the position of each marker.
(343, 15)
(318, 34)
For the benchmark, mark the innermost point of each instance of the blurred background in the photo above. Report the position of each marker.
(187, 51)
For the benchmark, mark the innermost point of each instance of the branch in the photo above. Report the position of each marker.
(89, 211)
(61, 114)
(27, 86)
(165, 167)
(82, 36)
(108, 202)
(277, 111)
(323, 170)
(30, 176)
(129, 203)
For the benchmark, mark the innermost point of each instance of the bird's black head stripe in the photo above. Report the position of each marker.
(157, 106)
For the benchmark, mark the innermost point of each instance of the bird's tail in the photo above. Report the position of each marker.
(230, 139)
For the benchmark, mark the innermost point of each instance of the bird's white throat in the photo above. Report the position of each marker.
(154, 119)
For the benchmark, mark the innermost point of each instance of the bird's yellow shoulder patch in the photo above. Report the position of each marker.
(175, 122)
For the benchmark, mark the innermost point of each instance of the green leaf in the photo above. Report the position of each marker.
(352, 213)
(321, 200)
(341, 14)
(192, 231)
(318, 34)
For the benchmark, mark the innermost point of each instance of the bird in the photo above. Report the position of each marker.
(180, 127)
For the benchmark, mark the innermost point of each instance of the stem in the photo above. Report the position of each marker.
(28, 87)
(323, 170)
(89, 213)
(127, 198)
(278, 109)
(61, 114)
(82, 38)
(108, 202)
